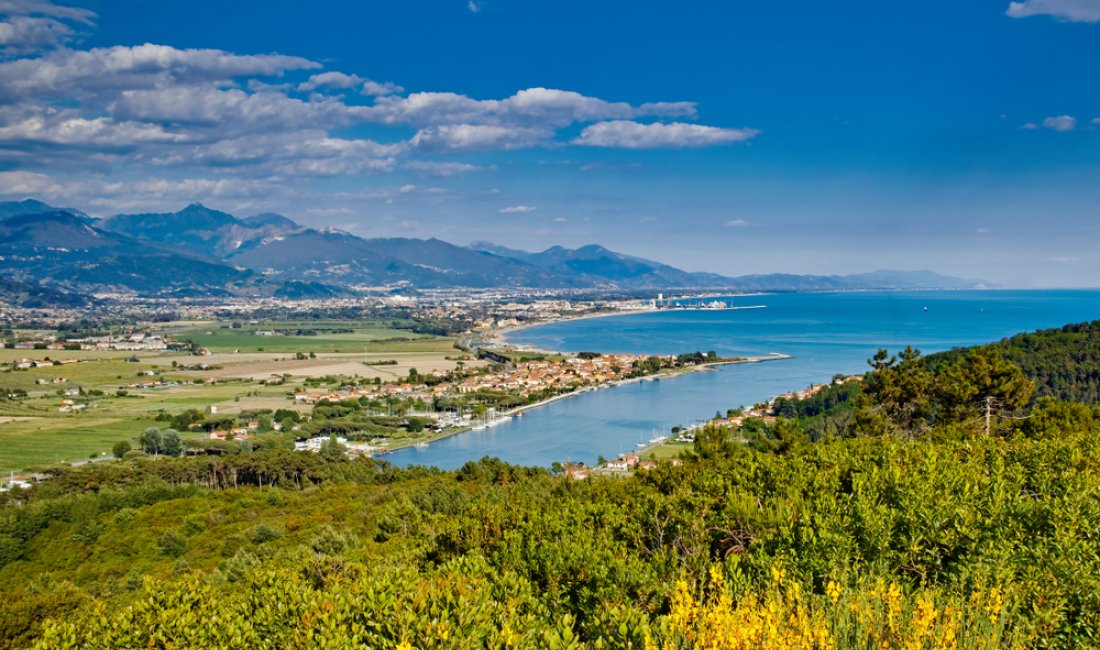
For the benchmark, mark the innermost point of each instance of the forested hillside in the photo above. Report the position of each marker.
(953, 511)
(1064, 362)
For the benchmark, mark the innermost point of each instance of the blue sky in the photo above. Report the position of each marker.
(734, 137)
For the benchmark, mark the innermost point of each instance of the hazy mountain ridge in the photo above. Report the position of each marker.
(199, 229)
(199, 250)
(60, 250)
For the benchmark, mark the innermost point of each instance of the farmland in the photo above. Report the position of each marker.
(234, 376)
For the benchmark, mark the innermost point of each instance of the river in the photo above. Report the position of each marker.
(826, 333)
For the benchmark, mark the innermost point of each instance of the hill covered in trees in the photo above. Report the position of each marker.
(1064, 362)
(951, 510)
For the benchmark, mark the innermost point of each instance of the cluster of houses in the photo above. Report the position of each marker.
(814, 389)
(149, 385)
(72, 406)
(27, 364)
(524, 379)
(537, 376)
(136, 342)
(624, 463)
(403, 390)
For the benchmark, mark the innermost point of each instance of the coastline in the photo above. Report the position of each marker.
(664, 374)
(500, 336)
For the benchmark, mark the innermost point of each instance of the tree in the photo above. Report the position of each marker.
(983, 386)
(900, 388)
(332, 450)
(151, 442)
(714, 442)
(170, 442)
(121, 448)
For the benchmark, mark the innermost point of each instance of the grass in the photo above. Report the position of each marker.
(47, 440)
(668, 450)
(100, 374)
(218, 337)
(52, 436)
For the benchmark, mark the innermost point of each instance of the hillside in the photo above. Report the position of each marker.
(64, 252)
(895, 536)
(1064, 362)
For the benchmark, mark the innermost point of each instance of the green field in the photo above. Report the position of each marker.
(47, 440)
(668, 450)
(218, 337)
(50, 436)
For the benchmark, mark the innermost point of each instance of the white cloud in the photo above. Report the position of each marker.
(517, 209)
(1061, 123)
(1062, 259)
(341, 81)
(648, 219)
(473, 6)
(80, 75)
(635, 135)
(60, 128)
(20, 183)
(433, 168)
(466, 137)
(560, 220)
(736, 223)
(228, 112)
(330, 80)
(373, 88)
(26, 33)
(1083, 11)
(542, 107)
(266, 117)
(46, 8)
(133, 193)
(33, 25)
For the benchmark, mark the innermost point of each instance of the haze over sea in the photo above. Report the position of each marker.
(826, 333)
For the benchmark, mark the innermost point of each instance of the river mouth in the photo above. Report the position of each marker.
(825, 334)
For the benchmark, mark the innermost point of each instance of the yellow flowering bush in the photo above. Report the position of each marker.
(785, 616)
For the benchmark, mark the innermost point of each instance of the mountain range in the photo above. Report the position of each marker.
(47, 253)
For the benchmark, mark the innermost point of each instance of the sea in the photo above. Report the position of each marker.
(824, 333)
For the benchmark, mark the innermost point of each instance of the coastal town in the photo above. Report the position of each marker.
(399, 370)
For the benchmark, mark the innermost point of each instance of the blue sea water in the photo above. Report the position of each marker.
(826, 333)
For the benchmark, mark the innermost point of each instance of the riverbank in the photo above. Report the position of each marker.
(668, 373)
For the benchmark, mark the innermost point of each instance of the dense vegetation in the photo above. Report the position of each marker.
(958, 387)
(1064, 362)
(953, 510)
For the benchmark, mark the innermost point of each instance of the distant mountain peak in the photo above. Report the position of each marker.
(34, 206)
(210, 249)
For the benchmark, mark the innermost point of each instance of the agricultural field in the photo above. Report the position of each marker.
(34, 432)
(275, 336)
